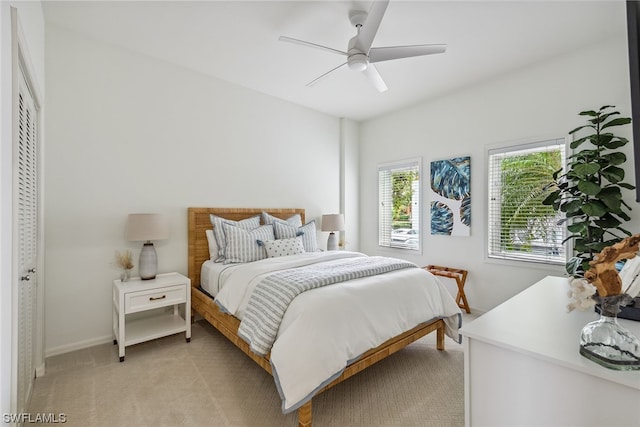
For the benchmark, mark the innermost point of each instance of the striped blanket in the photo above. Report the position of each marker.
(272, 294)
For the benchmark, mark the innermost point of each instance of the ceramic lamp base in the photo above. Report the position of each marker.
(332, 242)
(148, 262)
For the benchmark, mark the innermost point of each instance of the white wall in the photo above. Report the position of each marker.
(32, 24)
(539, 101)
(127, 133)
(350, 172)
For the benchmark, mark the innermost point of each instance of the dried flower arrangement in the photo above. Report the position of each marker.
(342, 244)
(602, 276)
(124, 260)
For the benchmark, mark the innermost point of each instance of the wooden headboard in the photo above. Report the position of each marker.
(199, 222)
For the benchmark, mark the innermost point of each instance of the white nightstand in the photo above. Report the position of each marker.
(136, 295)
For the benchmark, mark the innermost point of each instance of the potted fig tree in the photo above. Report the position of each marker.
(589, 192)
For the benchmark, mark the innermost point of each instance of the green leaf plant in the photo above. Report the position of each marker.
(589, 193)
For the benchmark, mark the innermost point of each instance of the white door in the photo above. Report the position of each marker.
(26, 210)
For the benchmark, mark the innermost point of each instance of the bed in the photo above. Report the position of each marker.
(445, 319)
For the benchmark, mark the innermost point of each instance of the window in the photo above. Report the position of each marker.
(399, 204)
(520, 226)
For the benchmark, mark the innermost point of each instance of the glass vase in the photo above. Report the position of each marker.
(125, 275)
(606, 342)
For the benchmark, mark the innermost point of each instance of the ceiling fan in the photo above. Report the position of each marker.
(360, 55)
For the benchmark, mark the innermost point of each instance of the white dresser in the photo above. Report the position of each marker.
(522, 366)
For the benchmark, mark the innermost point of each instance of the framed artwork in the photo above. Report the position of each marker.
(450, 196)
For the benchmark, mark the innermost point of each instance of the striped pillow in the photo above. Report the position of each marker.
(243, 246)
(294, 220)
(307, 232)
(245, 224)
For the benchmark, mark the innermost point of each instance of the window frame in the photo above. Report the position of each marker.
(524, 259)
(406, 164)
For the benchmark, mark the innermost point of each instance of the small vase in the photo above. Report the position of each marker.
(125, 275)
(606, 342)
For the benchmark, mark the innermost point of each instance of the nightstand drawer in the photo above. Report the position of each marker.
(148, 300)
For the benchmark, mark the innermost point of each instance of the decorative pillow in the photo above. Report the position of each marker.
(245, 224)
(284, 247)
(307, 232)
(294, 220)
(213, 245)
(243, 246)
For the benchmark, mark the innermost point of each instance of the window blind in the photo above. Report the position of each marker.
(520, 227)
(399, 204)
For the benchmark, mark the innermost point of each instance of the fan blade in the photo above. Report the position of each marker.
(317, 46)
(378, 54)
(375, 78)
(313, 82)
(369, 29)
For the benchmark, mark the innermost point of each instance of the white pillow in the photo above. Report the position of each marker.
(245, 246)
(213, 245)
(284, 247)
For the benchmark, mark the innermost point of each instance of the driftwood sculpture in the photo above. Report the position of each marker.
(602, 272)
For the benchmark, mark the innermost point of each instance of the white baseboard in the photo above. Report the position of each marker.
(77, 346)
(477, 311)
(40, 371)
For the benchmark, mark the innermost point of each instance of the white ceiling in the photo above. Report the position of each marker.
(237, 41)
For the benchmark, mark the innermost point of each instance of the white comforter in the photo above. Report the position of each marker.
(325, 329)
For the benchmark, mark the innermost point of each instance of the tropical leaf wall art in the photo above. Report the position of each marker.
(441, 218)
(451, 196)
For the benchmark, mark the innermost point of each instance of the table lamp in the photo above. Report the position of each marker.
(145, 228)
(332, 223)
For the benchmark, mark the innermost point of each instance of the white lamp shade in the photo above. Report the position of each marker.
(147, 227)
(332, 222)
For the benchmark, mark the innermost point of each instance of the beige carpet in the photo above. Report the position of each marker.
(209, 382)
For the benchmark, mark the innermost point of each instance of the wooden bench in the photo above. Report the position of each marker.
(459, 275)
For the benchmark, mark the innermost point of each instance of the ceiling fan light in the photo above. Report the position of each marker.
(358, 62)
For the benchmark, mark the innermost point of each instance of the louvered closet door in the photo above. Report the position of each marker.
(27, 209)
